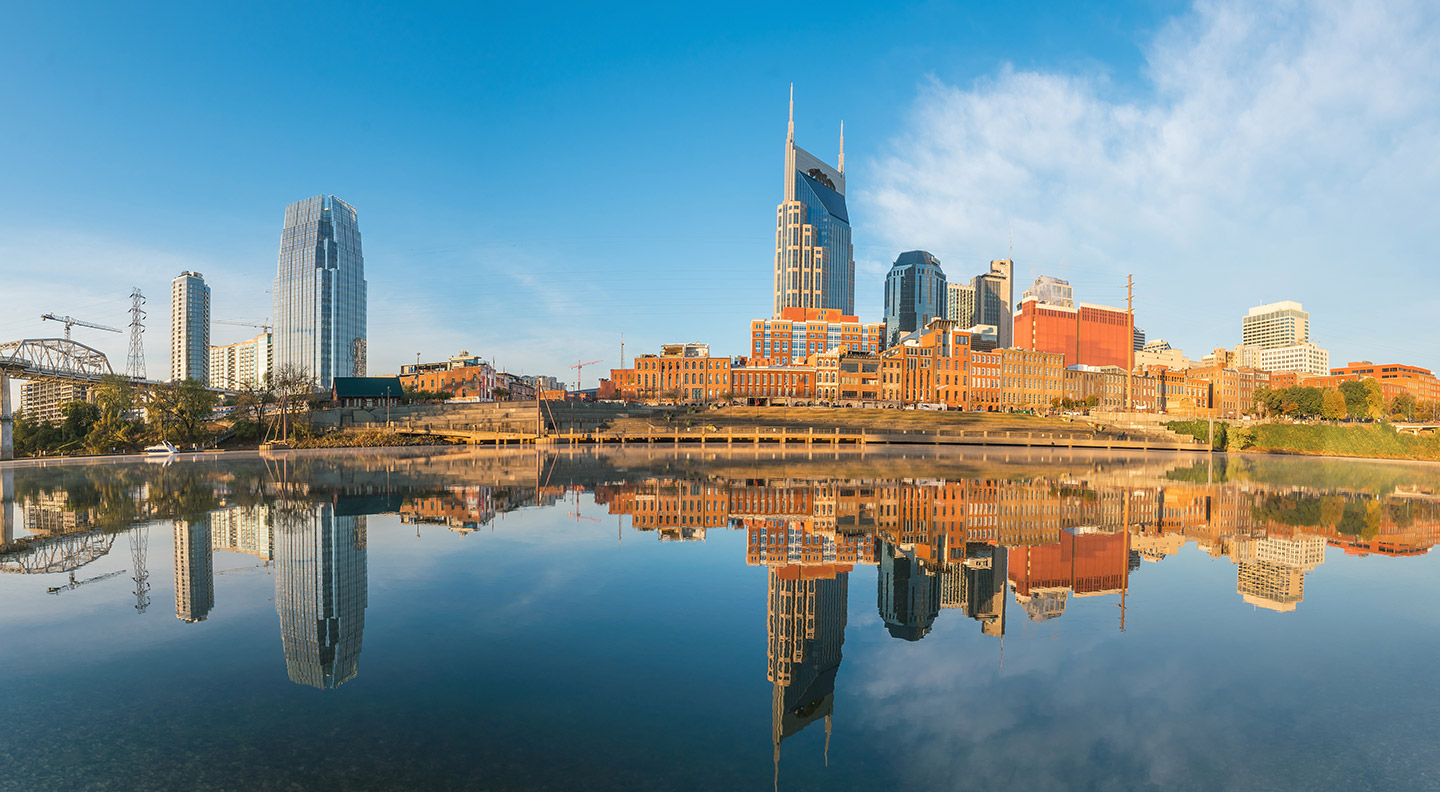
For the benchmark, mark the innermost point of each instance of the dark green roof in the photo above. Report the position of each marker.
(368, 388)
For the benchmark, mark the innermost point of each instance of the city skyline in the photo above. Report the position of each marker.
(950, 147)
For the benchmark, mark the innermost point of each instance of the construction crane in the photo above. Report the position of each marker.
(71, 321)
(262, 325)
(74, 584)
(579, 368)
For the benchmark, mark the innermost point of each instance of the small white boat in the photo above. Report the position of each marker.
(164, 448)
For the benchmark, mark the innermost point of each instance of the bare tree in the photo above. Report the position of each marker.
(291, 383)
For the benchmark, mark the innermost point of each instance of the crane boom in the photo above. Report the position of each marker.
(262, 325)
(580, 367)
(71, 321)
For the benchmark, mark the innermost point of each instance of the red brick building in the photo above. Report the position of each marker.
(1091, 335)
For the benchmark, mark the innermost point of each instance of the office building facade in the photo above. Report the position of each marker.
(915, 293)
(814, 258)
(1275, 325)
(189, 328)
(994, 298)
(797, 333)
(320, 291)
(960, 303)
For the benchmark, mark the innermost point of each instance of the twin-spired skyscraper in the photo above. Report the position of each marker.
(320, 291)
(814, 260)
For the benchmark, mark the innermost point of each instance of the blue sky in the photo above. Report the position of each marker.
(533, 183)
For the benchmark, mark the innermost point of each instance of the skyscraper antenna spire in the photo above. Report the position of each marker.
(1012, 241)
(842, 148)
(790, 127)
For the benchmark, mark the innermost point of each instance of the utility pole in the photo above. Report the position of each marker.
(1129, 342)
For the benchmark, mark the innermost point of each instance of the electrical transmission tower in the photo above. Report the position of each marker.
(135, 364)
(139, 546)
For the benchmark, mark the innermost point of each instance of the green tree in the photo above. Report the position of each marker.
(184, 410)
(79, 419)
(1374, 399)
(1403, 406)
(1333, 405)
(1354, 393)
(116, 429)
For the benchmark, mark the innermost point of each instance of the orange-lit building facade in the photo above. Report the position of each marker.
(762, 385)
(1419, 382)
(681, 373)
(1090, 335)
(798, 333)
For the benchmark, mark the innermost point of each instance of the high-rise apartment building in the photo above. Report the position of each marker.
(960, 303)
(994, 300)
(189, 328)
(320, 291)
(814, 259)
(915, 293)
(44, 400)
(1275, 325)
(235, 366)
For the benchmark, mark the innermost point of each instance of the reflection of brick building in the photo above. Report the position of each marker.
(1085, 563)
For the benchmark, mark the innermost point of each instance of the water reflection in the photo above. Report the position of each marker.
(952, 541)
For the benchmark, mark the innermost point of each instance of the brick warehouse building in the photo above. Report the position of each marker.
(1088, 335)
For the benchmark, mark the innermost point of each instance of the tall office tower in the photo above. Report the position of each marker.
(320, 593)
(960, 303)
(1139, 339)
(1051, 291)
(319, 305)
(194, 570)
(914, 294)
(908, 595)
(189, 328)
(1275, 325)
(994, 300)
(814, 260)
(805, 620)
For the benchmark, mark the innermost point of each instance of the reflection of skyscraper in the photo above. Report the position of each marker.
(1272, 570)
(194, 570)
(908, 595)
(805, 621)
(976, 586)
(320, 593)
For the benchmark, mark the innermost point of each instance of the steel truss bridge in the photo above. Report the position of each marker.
(42, 359)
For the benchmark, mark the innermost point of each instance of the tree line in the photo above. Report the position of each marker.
(1354, 400)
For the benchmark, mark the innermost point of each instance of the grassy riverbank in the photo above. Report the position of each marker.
(1369, 441)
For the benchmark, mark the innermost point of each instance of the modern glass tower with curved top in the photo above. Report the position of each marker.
(319, 305)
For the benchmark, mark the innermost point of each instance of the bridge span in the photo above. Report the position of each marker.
(43, 359)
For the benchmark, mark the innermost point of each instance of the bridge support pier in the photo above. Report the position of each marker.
(7, 507)
(7, 423)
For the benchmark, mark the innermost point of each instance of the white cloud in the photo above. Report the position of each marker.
(1275, 151)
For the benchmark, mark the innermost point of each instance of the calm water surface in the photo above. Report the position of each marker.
(650, 620)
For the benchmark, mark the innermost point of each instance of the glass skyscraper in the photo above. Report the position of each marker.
(814, 259)
(319, 305)
(915, 293)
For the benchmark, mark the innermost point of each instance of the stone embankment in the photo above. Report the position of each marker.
(561, 422)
